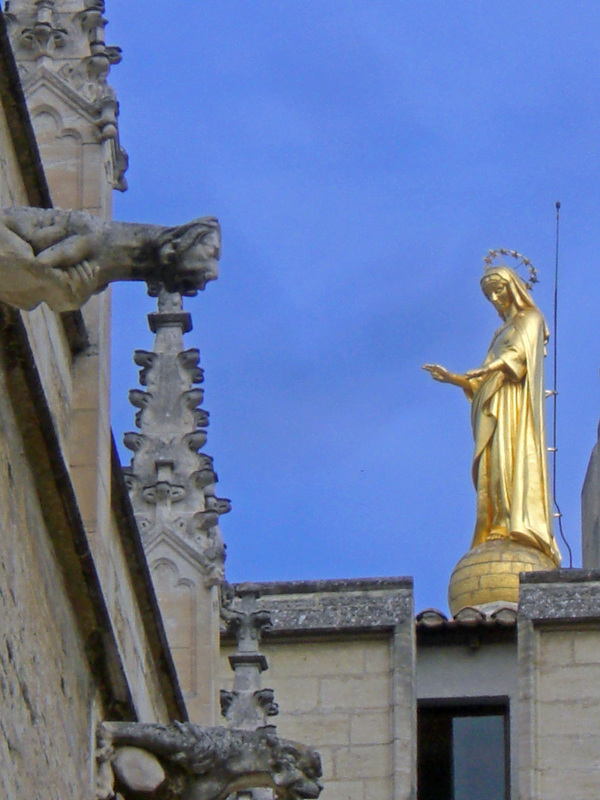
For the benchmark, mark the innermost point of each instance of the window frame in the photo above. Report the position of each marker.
(458, 707)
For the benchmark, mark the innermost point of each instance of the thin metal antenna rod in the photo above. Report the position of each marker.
(554, 449)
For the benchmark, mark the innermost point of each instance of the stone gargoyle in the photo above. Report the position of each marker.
(64, 257)
(183, 761)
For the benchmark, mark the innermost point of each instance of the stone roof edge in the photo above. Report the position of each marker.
(563, 575)
(325, 585)
(502, 616)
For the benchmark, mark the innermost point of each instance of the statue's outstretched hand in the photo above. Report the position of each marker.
(437, 372)
(444, 375)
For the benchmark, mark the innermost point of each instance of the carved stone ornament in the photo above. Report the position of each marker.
(43, 36)
(64, 257)
(183, 761)
(262, 700)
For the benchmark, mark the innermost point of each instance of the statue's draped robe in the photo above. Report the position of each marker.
(509, 464)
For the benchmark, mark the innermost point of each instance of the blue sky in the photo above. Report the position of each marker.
(362, 157)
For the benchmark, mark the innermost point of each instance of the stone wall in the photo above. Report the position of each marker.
(337, 695)
(48, 695)
(341, 661)
(559, 646)
(47, 690)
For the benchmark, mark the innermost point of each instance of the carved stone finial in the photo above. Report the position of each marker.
(172, 485)
(203, 763)
(64, 257)
(247, 627)
(249, 704)
(243, 618)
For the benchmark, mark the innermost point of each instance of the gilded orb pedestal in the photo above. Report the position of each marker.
(489, 573)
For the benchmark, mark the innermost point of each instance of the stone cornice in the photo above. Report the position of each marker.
(563, 596)
(334, 607)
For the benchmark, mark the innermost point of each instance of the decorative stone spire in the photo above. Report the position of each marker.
(171, 484)
(172, 490)
(248, 705)
(64, 63)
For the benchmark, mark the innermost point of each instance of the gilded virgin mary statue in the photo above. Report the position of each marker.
(514, 514)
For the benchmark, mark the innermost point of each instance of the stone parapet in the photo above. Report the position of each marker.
(560, 595)
(340, 606)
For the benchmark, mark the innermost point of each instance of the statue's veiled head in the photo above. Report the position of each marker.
(503, 279)
(507, 284)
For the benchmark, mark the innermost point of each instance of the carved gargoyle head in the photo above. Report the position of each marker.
(189, 255)
(182, 760)
(297, 772)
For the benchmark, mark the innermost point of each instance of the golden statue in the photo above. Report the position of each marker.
(507, 414)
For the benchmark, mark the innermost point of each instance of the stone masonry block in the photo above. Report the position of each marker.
(85, 427)
(378, 788)
(569, 718)
(301, 694)
(368, 761)
(370, 691)
(571, 683)
(337, 605)
(332, 729)
(562, 595)
(558, 752)
(344, 790)
(183, 659)
(327, 762)
(84, 481)
(316, 659)
(378, 656)
(556, 647)
(559, 784)
(586, 647)
(370, 728)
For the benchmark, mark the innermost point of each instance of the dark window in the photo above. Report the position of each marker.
(463, 752)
